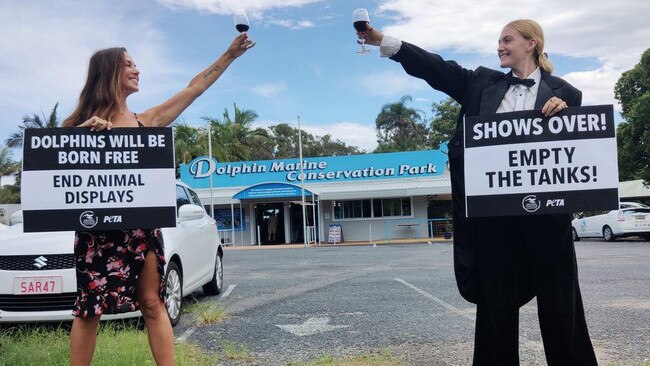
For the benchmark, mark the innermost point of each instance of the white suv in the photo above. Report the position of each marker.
(631, 219)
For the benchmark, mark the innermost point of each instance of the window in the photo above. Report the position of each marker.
(181, 197)
(379, 207)
(352, 209)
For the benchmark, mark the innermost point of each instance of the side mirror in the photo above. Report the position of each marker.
(16, 217)
(190, 212)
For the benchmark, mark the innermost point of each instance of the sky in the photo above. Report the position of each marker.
(305, 62)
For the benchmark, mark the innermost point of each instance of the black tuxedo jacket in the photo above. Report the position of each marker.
(479, 92)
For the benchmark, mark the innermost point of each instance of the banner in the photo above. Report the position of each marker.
(75, 179)
(523, 163)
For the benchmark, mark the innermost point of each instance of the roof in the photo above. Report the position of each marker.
(633, 189)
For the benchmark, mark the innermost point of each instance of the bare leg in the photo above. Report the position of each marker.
(83, 338)
(159, 329)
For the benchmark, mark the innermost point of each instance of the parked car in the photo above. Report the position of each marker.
(37, 275)
(631, 219)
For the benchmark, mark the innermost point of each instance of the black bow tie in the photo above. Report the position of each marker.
(512, 80)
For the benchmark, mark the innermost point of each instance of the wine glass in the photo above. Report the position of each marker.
(241, 22)
(360, 21)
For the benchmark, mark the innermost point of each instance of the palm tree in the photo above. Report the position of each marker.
(7, 165)
(232, 138)
(189, 142)
(400, 128)
(15, 140)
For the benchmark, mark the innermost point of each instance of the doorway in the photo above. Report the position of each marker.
(296, 228)
(270, 218)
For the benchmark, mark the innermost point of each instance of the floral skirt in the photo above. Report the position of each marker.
(108, 264)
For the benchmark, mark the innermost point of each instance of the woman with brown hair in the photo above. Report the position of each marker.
(501, 263)
(122, 270)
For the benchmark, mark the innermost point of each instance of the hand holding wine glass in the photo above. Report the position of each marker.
(360, 20)
(243, 25)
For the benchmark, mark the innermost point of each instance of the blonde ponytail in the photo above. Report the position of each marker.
(530, 29)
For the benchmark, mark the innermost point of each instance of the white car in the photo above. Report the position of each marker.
(37, 274)
(631, 219)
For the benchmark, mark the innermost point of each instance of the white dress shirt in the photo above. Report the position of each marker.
(520, 97)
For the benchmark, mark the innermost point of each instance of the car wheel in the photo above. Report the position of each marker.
(607, 233)
(574, 234)
(215, 285)
(174, 298)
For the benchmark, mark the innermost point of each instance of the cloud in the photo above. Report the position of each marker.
(292, 24)
(615, 34)
(597, 85)
(390, 84)
(46, 49)
(225, 7)
(270, 89)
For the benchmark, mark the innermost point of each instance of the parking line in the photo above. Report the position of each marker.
(228, 291)
(429, 296)
(183, 337)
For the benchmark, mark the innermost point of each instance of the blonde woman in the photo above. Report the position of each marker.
(501, 263)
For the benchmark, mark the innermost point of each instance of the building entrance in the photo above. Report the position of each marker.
(270, 218)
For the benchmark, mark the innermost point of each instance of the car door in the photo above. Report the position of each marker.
(206, 242)
(188, 236)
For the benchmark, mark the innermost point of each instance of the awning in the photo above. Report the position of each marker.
(271, 190)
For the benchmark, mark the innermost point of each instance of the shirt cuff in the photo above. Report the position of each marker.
(389, 46)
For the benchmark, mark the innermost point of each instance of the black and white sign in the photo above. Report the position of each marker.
(335, 234)
(523, 163)
(74, 179)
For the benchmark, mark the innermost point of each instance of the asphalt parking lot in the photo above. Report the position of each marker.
(296, 304)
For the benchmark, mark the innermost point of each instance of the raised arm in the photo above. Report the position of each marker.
(165, 113)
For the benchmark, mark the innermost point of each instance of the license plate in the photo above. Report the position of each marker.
(38, 285)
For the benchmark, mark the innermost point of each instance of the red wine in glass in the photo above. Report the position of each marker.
(360, 26)
(242, 24)
(360, 21)
(241, 28)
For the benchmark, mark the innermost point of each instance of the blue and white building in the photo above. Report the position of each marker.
(370, 197)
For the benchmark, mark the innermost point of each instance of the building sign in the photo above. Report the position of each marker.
(75, 179)
(411, 164)
(523, 163)
(271, 190)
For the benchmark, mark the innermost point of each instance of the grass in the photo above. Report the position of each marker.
(116, 345)
(382, 359)
(206, 312)
(236, 352)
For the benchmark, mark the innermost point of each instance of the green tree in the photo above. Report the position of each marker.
(15, 140)
(633, 135)
(286, 144)
(233, 139)
(9, 193)
(400, 128)
(189, 143)
(443, 123)
(7, 165)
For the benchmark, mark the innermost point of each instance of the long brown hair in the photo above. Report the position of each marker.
(101, 94)
(530, 29)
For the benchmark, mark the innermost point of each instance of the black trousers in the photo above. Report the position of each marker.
(517, 258)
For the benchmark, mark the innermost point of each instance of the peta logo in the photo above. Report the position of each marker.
(88, 219)
(555, 203)
(113, 219)
(530, 203)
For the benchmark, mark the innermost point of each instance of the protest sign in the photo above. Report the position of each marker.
(523, 163)
(75, 179)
